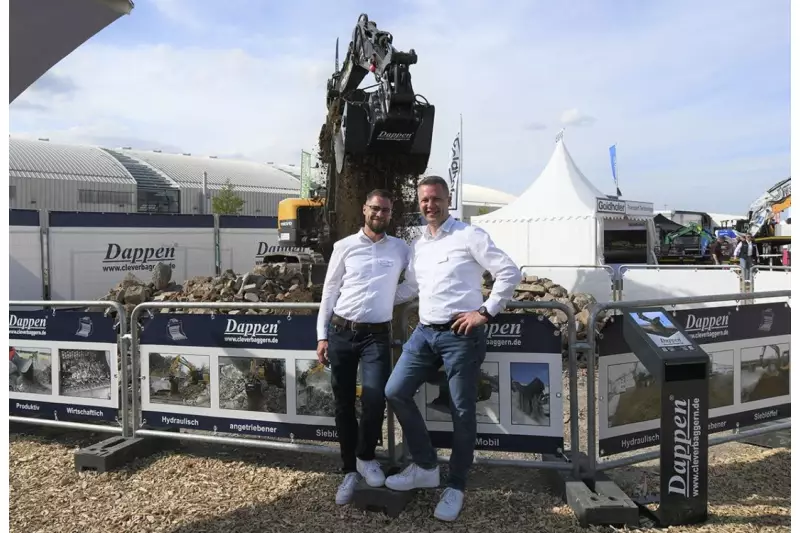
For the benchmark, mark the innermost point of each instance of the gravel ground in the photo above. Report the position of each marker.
(202, 488)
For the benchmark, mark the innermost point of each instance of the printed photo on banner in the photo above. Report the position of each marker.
(30, 370)
(437, 396)
(314, 391)
(85, 373)
(180, 379)
(765, 372)
(530, 394)
(252, 384)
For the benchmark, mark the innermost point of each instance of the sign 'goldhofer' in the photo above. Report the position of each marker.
(611, 206)
(624, 207)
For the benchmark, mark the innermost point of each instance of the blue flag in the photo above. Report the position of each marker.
(613, 152)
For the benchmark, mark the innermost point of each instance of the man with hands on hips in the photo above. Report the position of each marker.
(446, 271)
(353, 326)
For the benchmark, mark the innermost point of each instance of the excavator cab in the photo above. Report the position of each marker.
(300, 222)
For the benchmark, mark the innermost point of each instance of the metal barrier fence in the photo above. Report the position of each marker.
(138, 430)
(121, 359)
(590, 348)
(129, 336)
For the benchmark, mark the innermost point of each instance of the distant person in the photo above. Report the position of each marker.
(747, 252)
(717, 250)
(446, 270)
(354, 326)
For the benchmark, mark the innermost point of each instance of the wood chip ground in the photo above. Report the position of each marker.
(203, 488)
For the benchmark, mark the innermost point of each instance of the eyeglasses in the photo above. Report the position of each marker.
(383, 210)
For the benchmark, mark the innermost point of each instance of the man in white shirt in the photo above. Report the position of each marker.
(353, 326)
(749, 257)
(446, 270)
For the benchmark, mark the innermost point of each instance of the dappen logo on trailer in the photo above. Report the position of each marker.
(251, 332)
(27, 327)
(119, 259)
(685, 479)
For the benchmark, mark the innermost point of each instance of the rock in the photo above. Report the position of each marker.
(558, 291)
(267, 283)
(162, 275)
(134, 295)
(251, 297)
(535, 288)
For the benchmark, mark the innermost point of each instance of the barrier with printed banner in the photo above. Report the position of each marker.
(249, 374)
(748, 384)
(520, 400)
(63, 365)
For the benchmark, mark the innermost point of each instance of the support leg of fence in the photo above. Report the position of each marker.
(593, 497)
(119, 450)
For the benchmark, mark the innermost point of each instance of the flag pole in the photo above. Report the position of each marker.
(460, 203)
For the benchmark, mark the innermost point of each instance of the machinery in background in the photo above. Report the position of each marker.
(769, 225)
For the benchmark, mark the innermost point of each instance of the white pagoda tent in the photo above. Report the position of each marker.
(561, 218)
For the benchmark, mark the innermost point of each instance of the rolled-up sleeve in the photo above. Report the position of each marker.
(506, 273)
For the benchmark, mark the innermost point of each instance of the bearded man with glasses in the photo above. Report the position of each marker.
(353, 326)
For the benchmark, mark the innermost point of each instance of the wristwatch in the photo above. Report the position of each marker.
(484, 313)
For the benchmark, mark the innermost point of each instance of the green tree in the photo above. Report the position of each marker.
(226, 202)
(483, 211)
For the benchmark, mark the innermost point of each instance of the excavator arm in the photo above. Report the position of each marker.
(376, 137)
(391, 120)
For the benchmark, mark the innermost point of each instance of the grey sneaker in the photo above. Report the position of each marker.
(345, 492)
(372, 472)
(414, 477)
(449, 505)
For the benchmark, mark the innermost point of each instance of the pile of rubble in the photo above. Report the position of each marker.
(271, 283)
(536, 289)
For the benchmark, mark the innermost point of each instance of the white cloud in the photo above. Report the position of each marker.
(675, 88)
(573, 117)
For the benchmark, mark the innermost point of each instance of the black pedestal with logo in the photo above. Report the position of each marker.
(681, 368)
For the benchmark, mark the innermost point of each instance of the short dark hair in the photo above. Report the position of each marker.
(435, 180)
(383, 193)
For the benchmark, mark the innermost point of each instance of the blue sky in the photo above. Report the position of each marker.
(524, 373)
(695, 94)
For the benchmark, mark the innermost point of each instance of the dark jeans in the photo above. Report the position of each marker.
(345, 349)
(462, 356)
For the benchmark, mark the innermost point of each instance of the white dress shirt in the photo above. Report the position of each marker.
(446, 271)
(361, 280)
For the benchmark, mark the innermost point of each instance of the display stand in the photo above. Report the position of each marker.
(681, 368)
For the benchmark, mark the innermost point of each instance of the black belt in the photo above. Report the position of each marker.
(440, 327)
(378, 327)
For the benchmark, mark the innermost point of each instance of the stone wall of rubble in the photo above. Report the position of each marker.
(287, 282)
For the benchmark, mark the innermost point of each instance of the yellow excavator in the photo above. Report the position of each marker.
(195, 374)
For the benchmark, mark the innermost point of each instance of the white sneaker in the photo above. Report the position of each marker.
(449, 505)
(414, 477)
(345, 493)
(372, 472)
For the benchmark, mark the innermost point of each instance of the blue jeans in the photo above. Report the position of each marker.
(746, 263)
(346, 348)
(424, 352)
